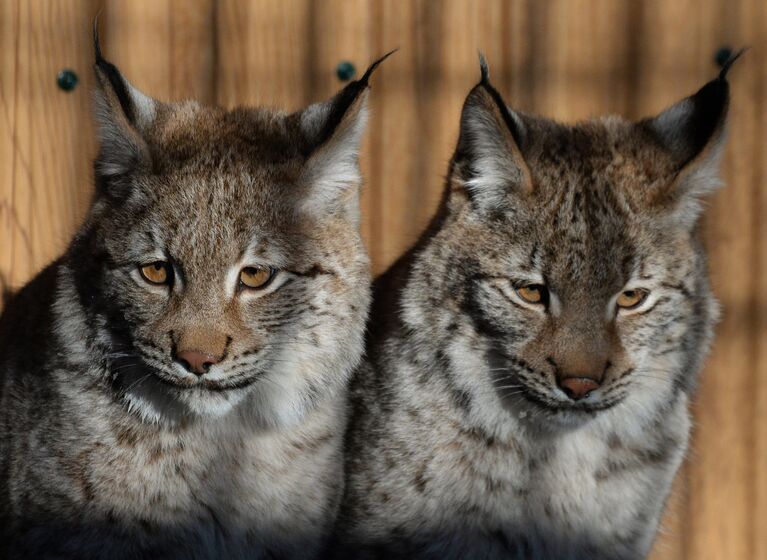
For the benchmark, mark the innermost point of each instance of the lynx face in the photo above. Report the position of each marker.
(222, 258)
(567, 257)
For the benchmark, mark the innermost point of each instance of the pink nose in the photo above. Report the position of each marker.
(196, 362)
(578, 387)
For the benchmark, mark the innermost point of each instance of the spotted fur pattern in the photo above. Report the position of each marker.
(109, 447)
(462, 444)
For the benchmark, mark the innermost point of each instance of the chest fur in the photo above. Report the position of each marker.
(225, 492)
(187, 471)
(599, 487)
(206, 470)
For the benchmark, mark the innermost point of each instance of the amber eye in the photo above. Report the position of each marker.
(156, 273)
(532, 293)
(256, 277)
(631, 299)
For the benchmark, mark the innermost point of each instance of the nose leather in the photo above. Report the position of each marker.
(195, 361)
(578, 387)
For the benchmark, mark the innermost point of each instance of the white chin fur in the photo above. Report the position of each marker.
(211, 404)
(158, 403)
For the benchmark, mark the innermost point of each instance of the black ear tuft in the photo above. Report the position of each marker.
(123, 114)
(96, 44)
(692, 132)
(687, 128)
(343, 100)
(369, 72)
(112, 74)
(483, 70)
(332, 131)
(514, 124)
(488, 158)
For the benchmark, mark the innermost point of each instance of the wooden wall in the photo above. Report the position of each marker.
(565, 59)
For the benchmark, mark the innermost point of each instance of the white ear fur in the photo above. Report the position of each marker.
(123, 114)
(144, 107)
(693, 132)
(699, 179)
(333, 131)
(488, 158)
(495, 167)
(331, 172)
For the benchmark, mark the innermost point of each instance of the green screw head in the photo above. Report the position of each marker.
(67, 79)
(722, 56)
(345, 71)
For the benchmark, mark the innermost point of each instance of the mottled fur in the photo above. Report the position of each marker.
(461, 444)
(109, 446)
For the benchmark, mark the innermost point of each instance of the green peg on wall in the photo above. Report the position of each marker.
(345, 71)
(67, 79)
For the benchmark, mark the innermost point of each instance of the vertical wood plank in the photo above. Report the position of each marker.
(581, 69)
(9, 37)
(748, 130)
(48, 142)
(166, 48)
(263, 53)
(759, 518)
(193, 63)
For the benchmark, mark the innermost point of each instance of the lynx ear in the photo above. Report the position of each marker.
(333, 133)
(123, 113)
(488, 158)
(693, 132)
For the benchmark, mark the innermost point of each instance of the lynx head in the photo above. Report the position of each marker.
(567, 257)
(221, 259)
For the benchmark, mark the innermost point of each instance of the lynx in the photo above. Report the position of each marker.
(173, 386)
(532, 358)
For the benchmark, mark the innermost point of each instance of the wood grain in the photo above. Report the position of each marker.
(567, 59)
(46, 144)
(263, 55)
(166, 48)
(758, 494)
(9, 36)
